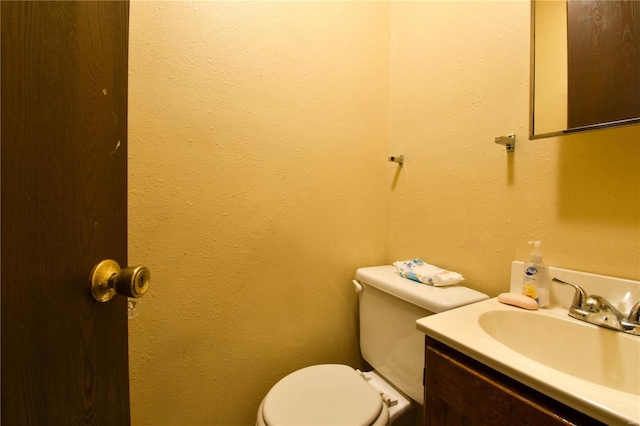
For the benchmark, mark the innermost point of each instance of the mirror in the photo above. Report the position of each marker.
(585, 65)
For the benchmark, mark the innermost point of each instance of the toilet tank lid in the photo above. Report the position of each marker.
(433, 299)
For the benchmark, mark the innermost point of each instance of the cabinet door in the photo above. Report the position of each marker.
(603, 64)
(459, 391)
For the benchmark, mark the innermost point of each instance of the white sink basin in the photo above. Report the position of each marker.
(588, 352)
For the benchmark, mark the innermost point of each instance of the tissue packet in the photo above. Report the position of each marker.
(418, 270)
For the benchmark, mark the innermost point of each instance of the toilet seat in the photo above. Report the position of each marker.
(328, 394)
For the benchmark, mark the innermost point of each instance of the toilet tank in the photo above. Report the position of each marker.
(389, 308)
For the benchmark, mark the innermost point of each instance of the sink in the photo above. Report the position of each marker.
(589, 368)
(604, 357)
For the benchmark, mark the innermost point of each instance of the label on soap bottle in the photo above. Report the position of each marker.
(529, 285)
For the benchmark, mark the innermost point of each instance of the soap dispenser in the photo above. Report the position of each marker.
(534, 282)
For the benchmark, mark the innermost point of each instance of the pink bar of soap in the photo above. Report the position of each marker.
(518, 300)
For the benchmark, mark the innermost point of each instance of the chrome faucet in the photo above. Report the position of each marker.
(599, 311)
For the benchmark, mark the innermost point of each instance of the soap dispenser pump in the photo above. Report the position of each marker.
(534, 282)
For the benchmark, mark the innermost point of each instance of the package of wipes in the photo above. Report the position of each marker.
(420, 271)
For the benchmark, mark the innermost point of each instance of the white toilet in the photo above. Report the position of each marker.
(332, 394)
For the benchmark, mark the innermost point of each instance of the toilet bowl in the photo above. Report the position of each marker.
(334, 394)
(328, 394)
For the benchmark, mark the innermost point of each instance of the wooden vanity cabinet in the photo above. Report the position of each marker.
(463, 391)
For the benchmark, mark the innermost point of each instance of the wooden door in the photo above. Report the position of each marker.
(64, 208)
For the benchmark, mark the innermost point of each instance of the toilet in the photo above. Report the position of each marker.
(334, 394)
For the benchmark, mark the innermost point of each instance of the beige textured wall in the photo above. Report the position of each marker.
(258, 181)
(459, 77)
(257, 186)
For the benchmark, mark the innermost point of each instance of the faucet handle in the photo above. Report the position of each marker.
(580, 295)
(634, 314)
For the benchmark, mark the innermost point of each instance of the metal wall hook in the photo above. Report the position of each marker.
(508, 141)
(399, 159)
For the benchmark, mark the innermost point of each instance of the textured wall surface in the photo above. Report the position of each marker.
(459, 77)
(258, 181)
(257, 186)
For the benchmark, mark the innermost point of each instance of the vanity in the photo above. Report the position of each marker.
(491, 363)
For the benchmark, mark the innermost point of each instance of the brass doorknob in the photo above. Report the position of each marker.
(107, 279)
